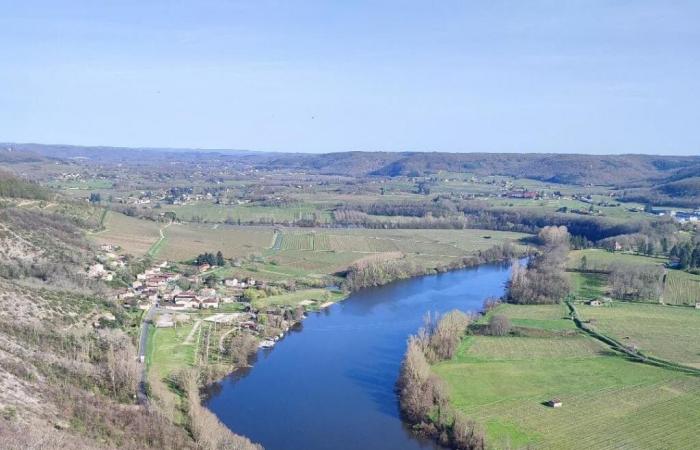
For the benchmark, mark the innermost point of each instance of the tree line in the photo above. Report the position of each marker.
(423, 397)
(544, 280)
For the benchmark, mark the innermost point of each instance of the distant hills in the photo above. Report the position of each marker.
(663, 175)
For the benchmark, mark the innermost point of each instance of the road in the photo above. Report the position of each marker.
(143, 346)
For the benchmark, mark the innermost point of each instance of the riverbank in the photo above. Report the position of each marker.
(337, 375)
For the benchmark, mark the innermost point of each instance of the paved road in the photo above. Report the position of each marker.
(143, 345)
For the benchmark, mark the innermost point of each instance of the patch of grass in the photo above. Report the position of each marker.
(167, 350)
(588, 286)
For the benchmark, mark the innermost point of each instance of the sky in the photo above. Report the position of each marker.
(587, 76)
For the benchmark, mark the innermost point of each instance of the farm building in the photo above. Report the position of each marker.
(554, 403)
(211, 302)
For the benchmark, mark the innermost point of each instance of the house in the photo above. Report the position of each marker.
(187, 303)
(554, 403)
(522, 194)
(697, 305)
(209, 303)
(186, 300)
(231, 283)
(617, 246)
(204, 267)
(126, 294)
(595, 303)
(96, 270)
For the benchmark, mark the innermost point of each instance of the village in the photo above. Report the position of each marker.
(171, 298)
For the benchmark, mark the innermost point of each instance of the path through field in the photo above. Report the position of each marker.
(153, 251)
(188, 339)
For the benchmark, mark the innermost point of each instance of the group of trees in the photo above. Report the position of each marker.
(688, 254)
(422, 395)
(544, 279)
(210, 258)
(635, 282)
(379, 272)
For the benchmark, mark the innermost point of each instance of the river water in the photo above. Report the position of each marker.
(331, 383)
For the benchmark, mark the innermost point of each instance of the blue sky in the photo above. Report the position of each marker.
(503, 76)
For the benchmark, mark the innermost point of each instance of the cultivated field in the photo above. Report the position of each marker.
(608, 401)
(681, 288)
(666, 332)
(440, 243)
(601, 259)
(186, 241)
(210, 212)
(134, 236)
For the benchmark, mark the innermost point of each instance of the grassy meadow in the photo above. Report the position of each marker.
(608, 401)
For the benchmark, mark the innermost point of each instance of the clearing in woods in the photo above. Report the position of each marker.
(608, 401)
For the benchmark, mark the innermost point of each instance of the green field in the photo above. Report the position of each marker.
(167, 350)
(608, 401)
(93, 184)
(602, 259)
(666, 332)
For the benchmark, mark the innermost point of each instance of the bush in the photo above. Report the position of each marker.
(499, 325)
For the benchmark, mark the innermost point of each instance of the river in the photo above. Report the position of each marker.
(330, 384)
